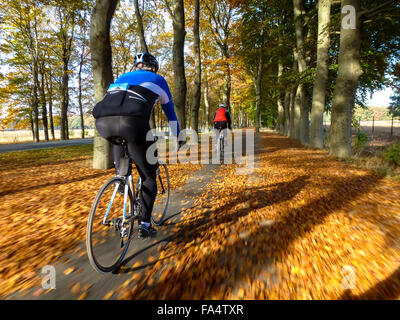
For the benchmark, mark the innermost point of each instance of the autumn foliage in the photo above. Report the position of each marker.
(296, 228)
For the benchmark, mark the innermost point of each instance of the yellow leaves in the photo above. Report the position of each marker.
(137, 264)
(108, 295)
(241, 293)
(151, 259)
(76, 288)
(282, 233)
(69, 270)
(82, 296)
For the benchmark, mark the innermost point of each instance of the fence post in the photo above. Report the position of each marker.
(391, 128)
(373, 124)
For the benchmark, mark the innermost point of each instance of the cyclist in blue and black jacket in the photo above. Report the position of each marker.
(125, 111)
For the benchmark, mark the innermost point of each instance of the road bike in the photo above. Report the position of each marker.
(220, 145)
(116, 208)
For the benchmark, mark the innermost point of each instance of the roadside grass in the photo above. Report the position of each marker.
(16, 159)
(378, 154)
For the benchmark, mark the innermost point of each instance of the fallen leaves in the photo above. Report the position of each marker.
(69, 271)
(288, 221)
(44, 212)
(292, 229)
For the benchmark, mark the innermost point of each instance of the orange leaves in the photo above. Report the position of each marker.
(291, 230)
(45, 199)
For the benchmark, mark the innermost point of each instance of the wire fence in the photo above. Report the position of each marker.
(388, 128)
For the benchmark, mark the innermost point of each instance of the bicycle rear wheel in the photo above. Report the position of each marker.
(107, 236)
(221, 149)
(162, 199)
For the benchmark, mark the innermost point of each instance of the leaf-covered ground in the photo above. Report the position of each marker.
(45, 198)
(301, 226)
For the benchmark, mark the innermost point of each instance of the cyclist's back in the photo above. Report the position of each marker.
(125, 112)
(222, 118)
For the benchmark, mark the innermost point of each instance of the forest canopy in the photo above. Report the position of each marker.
(278, 64)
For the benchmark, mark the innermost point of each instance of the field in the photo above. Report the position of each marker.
(381, 128)
(21, 136)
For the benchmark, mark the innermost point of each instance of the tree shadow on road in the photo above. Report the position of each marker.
(206, 274)
(388, 289)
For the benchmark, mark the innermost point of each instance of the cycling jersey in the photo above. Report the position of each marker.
(135, 94)
(222, 116)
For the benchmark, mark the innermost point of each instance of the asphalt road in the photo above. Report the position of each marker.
(40, 145)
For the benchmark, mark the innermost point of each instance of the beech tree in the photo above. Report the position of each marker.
(101, 55)
(176, 11)
(321, 79)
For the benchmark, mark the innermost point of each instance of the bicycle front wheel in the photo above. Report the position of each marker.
(110, 226)
(163, 189)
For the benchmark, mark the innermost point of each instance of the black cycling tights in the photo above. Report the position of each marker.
(134, 130)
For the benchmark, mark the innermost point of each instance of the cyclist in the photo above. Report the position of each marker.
(222, 120)
(125, 111)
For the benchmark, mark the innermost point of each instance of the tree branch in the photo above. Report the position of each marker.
(375, 10)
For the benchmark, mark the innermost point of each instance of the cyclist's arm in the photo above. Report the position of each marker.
(169, 112)
(215, 113)
(168, 108)
(228, 118)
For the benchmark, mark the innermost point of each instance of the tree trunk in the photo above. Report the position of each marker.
(321, 79)
(226, 92)
(49, 86)
(102, 71)
(143, 48)
(64, 102)
(31, 123)
(80, 99)
(44, 109)
(206, 102)
(286, 105)
(140, 29)
(301, 104)
(258, 82)
(197, 65)
(35, 103)
(346, 85)
(292, 128)
(281, 107)
(178, 23)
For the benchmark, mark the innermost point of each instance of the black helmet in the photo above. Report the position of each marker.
(147, 59)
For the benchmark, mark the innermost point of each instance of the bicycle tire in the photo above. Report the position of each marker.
(94, 258)
(163, 194)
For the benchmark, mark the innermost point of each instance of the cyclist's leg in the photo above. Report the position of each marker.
(147, 173)
(109, 127)
(135, 131)
(217, 131)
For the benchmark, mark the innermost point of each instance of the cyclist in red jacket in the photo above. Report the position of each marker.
(222, 118)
